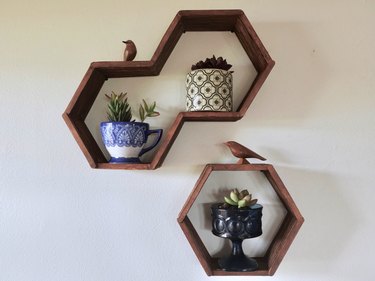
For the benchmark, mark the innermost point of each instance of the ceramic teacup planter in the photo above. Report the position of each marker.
(237, 219)
(209, 86)
(125, 140)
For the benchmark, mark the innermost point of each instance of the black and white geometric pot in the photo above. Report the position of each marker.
(209, 90)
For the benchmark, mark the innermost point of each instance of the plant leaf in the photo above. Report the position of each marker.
(253, 202)
(242, 203)
(153, 114)
(233, 196)
(230, 201)
(142, 113)
(145, 105)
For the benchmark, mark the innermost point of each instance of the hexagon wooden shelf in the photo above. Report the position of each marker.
(185, 21)
(292, 222)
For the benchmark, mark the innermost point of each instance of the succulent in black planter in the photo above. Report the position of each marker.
(238, 218)
(209, 86)
(124, 138)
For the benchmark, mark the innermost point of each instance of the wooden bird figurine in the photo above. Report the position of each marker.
(130, 50)
(242, 152)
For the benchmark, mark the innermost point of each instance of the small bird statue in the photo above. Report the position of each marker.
(242, 152)
(130, 50)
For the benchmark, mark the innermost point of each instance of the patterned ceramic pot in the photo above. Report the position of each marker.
(237, 224)
(125, 140)
(209, 90)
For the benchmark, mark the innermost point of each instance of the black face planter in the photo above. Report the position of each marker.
(237, 224)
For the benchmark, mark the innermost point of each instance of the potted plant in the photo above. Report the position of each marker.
(238, 218)
(124, 138)
(209, 86)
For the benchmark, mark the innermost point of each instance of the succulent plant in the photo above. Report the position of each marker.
(119, 109)
(213, 62)
(241, 199)
(146, 110)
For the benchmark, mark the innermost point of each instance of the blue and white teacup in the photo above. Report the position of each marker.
(125, 141)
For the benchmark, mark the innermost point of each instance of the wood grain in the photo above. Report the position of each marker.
(279, 245)
(185, 21)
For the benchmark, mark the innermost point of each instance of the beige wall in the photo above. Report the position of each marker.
(313, 119)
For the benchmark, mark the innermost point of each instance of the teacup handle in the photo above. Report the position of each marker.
(150, 132)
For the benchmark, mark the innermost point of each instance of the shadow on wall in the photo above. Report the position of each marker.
(168, 89)
(288, 98)
(330, 220)
(219, 184)
(299, 78)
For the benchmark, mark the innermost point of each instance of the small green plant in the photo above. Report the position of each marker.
(240, 199)
(119, 109)
(213, 62)
(146, 110)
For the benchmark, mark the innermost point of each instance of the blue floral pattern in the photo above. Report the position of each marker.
(123, 134)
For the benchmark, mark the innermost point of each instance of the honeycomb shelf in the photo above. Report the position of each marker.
(185, 21)
(280, 244)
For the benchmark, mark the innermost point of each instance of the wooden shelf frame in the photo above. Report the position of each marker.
(280, 244)
(185, 21)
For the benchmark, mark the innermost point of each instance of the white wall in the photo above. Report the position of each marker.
(313, 119)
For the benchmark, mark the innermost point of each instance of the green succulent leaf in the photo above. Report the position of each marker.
(153, 114)
(146, 110)
(233, 196)
(145, 106)
(118, 108)
(142, 113)
(230, 201)
(241, 199)
(247, 198)
(242, 203)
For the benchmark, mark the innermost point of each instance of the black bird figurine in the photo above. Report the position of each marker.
(242, 152)
(130, 50)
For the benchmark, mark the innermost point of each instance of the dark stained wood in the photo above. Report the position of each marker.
(213, 116)
(254, 89)
(85, 141)
(198, 246)
(280, 243)
(176, 127)
(195, 192)
(282, 191)
(119, 69)
(210, 20)
(86, 94)
(122, 166)
(236, 167)
(242, 161)
(168, 141)
(167, 43)
(184, 21)
(252, 44)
